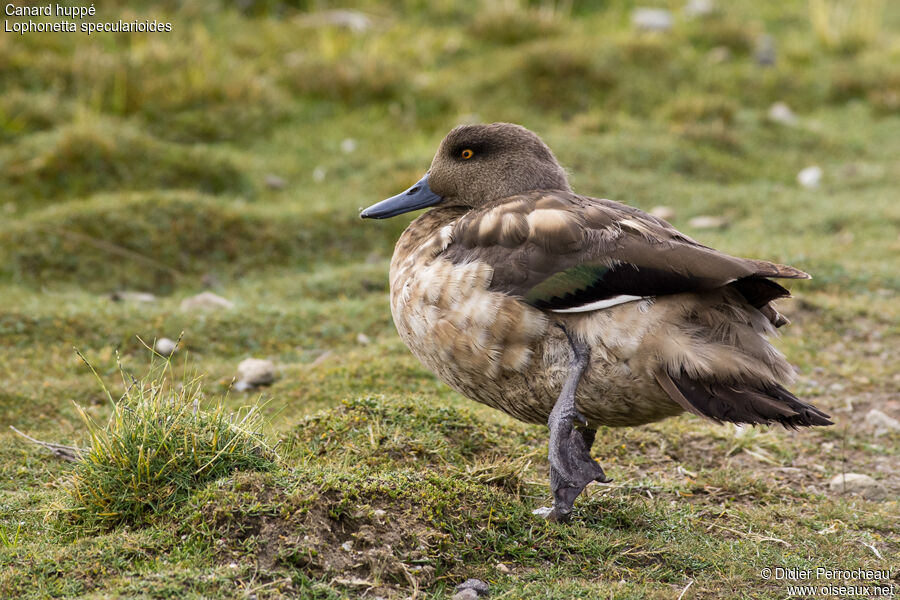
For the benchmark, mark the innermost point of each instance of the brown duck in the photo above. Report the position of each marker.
(574, 311)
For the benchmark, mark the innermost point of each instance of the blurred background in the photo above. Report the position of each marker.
(231, 156)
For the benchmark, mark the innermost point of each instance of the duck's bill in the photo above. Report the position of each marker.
(416, 197)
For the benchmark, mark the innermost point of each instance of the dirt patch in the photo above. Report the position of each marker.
(380, 545)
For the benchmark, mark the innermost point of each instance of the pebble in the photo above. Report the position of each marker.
(881, 423)
(254, 372)
(858, 484)
(274, 182)
(719, 55)
(503, 568)
(665, 213)
(125, 296)
(782, 113)
(353, 20)
(363, 340)
(466, 594)
(319, 174)
(165, 346)
(543, 511)
(348, 146)
(205, 301)
(699, 8)
(651, 19)
(810, 177)
(347, 546)
(476, 585)
(765, 53)
(707, 222)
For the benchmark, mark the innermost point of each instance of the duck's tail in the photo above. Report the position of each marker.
(767, 403)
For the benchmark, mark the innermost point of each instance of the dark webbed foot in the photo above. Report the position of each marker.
(571, 465)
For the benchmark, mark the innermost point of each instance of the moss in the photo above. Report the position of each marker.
(374, 431)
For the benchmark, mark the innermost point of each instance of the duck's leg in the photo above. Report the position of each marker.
(571, 465)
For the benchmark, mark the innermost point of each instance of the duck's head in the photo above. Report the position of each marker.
(476, 164)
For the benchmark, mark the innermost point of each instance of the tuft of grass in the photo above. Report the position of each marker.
(846, 25)
(515, 21)
(546, 69)
(356, 78)
(162, 440)
(9, 539)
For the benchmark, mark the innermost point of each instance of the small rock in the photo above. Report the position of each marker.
(320, 359)
(353, 20)
(858, 484)
(254, 372)
(503, 568)
(274, 182)
(478, 586)
(165, 346)
(651, 19)
(719, 55)
(782, 113)
(347, 546)
(765, 53)
(465, 594)
(348, 146)
(810, 177)
(132, 297)
(881, 423)
(707, 222)
(378, 513)
(699, 8)
(665, 213)
(363, 340)
(205, 301)
(543, 511)
(319, 174)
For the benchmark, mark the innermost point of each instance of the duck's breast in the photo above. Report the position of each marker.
(480, 342)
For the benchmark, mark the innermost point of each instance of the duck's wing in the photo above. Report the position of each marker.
(566, 253)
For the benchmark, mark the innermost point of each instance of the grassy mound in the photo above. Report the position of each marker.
(78, 159)
(377, 431)
(99, 242)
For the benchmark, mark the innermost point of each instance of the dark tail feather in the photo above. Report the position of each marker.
(759, 291)
(719, 402)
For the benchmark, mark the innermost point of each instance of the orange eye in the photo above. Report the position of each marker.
(466, 154)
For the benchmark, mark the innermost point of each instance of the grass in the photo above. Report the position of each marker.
(157, 446)
(145, 162)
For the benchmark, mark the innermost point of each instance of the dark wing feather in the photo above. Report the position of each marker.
(560, 251)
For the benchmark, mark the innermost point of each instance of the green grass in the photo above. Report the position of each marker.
(140, 162)
(159, 444)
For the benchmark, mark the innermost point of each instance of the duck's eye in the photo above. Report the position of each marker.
(466, 154)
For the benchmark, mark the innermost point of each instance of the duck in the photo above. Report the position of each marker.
(577, 312)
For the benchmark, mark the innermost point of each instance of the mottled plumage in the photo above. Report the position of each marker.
(511, 283)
